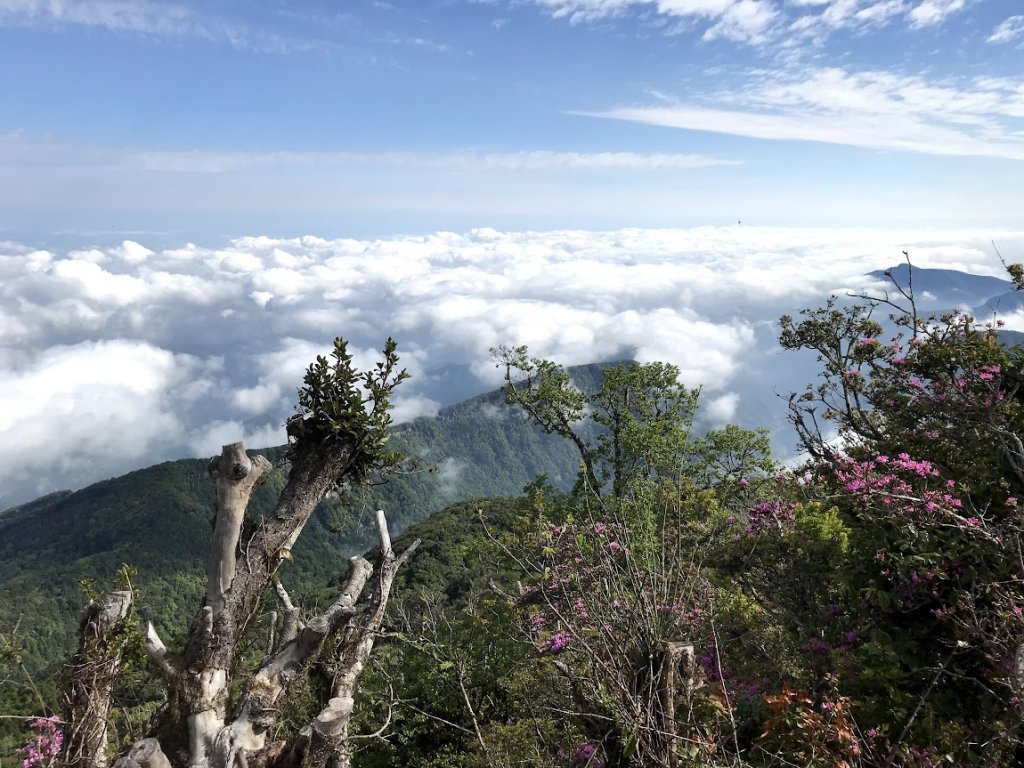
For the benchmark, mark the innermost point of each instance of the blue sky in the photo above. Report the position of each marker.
(206, 120)
(197, 197)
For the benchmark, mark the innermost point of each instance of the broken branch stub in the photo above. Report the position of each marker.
(91, 674)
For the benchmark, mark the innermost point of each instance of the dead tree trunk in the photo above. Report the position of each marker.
(242, 565)
(329, 743)
(91, 674)
(211, 718)
(677, 662)
(145, 754)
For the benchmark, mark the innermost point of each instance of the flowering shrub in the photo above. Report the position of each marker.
(45, 744)
(906, 487)
(927, 482)
(611, 596)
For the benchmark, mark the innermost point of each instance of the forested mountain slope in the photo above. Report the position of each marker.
(158, 520)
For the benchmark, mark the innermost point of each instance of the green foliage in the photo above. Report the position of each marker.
(340, 405)
(633, 424)
(456, 651)
(646, 415)
(927, 589)
(1016, 275)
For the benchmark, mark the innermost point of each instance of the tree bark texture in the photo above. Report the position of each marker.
(205, 724)
(678, 661)
(92, 672)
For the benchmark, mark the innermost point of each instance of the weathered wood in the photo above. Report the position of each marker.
(144, 754)
(235, 475)
(92, 672)
(157, 651)
(329, 743)
(677, 661)
(242, 566)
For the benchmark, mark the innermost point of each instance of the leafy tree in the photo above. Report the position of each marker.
(634, 426)
(622, 600)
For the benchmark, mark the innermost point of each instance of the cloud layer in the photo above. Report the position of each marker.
(113, 358)
(871, 109)
(761, 21)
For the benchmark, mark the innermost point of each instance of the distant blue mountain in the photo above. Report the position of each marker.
(1003, 304)
(946, 288)
(1011, 338)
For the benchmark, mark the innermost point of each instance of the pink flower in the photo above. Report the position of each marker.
(46, 743)
(557, 643)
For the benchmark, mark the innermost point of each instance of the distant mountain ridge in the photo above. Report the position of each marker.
(944, 288)
(159, 519)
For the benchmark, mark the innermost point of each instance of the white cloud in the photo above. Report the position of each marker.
(741, 20)
(721, 410)
(448, 475)
(145, 17)
(210, 438)
(1009, 30)
(764, 21)
(16, 148)
(123, 363)
(132, 252)
(931, 12)
(844, 14)
(873, 110)
(71, 413)
(121, 15)
(408, 408)
(746, 20)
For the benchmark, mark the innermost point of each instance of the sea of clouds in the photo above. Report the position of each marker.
(116, 358)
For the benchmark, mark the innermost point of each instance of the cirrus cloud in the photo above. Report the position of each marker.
(873, 110)
(1009, 29)
(759, 22)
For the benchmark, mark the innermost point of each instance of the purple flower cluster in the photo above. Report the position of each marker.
(556, 643)
(769, 517)
(45, 744)
(586, 755)
(896, 485)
